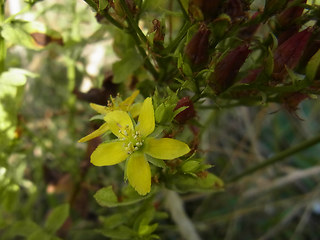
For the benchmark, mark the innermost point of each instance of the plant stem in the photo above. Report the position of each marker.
(139, 37)
(111, 19)
(3, 49)
(185, 14)
(174, 204)
(279, 157)
(105, 14)
(175, 43)
(132, 23)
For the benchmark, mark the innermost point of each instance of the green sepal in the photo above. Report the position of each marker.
(107, 198)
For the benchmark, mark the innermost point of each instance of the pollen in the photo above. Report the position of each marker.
(133, 142)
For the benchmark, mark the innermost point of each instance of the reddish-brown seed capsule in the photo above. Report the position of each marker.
(186, 114)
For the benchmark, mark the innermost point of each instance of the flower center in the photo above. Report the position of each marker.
(133, 141)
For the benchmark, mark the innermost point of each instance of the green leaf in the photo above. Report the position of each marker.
(220, 25)
(313, 66)
(114, 220)
(107, 198)
(22, 228)
(41, 234)
(269, 62)
(121, 232)
(15, 77)
(164, 113)
(124, 68)
(103, 4)
(147, 229)
(97, 117)
(11, 90)
(57, 217)
(33, 35)
(190, 166)
(155, 161)
(188, 183)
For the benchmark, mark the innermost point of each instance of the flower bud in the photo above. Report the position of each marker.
(197, 48)
(248, 32)
(311, 48)
(274, 6)
(235, 9)
(226, 70)
(252, 75)
(208, 9)
(290, 14)
(289, 53)
(187, 113)
(287, 33)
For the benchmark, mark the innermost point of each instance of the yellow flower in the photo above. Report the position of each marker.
(133, 143)
(115, 104)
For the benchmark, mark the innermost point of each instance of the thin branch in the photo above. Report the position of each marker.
(185, 14)
(293, 177)
(175, 43)
(279, 157)
(139, 37)
(175, 206)
(3, 48)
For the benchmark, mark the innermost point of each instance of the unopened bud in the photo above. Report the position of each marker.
(187, 113)
(206, 9)
(290, 14)
(197, 48)
(249, 31)
(226, 70)
(274, 6)
(235, 9)
(252, 75)
(289, 53)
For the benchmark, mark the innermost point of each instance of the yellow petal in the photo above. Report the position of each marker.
(146, 118)
(165, 148)
(99, 108)
(107, 154)
(138, 173)
(101, 130)
(119, 123)
(128, 101)
(135, 109)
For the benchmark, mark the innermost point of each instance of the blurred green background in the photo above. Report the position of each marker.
(47, 183)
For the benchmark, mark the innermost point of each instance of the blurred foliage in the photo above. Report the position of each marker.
(236, 80)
